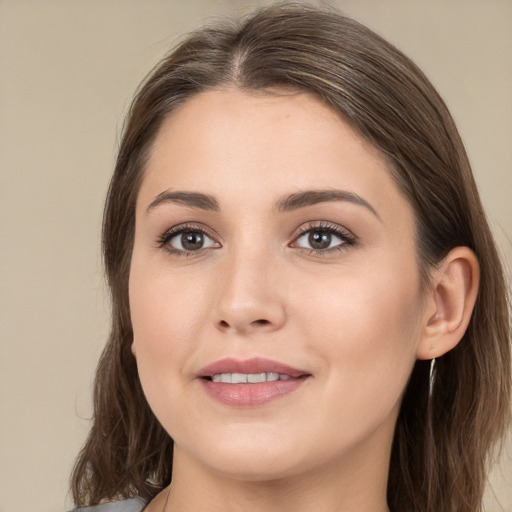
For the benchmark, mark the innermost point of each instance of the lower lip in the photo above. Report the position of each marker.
(250, 395)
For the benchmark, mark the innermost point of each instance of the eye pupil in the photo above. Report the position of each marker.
(319, 239)
(192, 241)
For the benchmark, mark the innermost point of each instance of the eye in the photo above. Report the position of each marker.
(319, 240)
(191, 241)
(324, 238)
(186, 240)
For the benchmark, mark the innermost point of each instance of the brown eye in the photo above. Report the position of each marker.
(190, 241)
(319, 239)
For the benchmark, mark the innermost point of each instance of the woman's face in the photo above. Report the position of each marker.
(272, 243)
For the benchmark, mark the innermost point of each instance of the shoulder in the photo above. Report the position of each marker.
(132, 505)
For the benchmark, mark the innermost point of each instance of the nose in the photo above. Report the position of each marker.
(251, 295)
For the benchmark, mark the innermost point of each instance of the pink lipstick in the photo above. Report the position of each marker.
(251, 382)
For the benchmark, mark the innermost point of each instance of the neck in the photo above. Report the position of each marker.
(350, 487)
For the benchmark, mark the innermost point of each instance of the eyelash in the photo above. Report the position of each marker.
(348, 239)
(163, 241)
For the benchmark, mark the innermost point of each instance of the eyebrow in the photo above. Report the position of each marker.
(194, 199)
(285, 204)
(312, 197)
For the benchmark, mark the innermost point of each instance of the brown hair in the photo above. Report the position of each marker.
(439, 453)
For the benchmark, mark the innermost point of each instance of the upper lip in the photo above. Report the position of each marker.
(249, 366)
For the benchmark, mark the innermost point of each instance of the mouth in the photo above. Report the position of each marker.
(249, 378)
(250, 382)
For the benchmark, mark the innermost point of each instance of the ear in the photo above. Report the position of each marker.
(449, 303)
(132, 348)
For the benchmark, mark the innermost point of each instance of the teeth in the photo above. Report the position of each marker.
(252, 378)
(256, 377)
(238, 378)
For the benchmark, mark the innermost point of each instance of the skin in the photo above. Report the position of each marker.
(353, 316)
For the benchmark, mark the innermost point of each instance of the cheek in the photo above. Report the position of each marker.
(163, 304)
(367, 327)
(166, 315)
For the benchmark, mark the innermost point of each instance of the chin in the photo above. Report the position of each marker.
(256, 468)
(249, 457)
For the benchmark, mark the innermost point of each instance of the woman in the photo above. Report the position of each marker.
(308, 309)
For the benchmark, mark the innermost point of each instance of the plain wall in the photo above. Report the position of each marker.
(67, 72)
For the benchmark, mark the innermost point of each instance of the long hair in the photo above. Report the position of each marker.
(442, 444)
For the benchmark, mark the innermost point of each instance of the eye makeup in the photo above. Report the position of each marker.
(188, 239)
(324, 238)
(321, 238)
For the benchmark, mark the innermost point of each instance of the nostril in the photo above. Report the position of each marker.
(262, 321)
(243, 321)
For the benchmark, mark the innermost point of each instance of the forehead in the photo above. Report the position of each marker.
(257, 145)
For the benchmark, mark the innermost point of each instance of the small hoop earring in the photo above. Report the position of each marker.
(431, 377)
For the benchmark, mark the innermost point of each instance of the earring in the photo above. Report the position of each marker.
(431, 377)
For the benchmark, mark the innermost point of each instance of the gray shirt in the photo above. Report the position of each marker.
(133, 505)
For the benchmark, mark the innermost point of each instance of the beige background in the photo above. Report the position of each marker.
(68, 70)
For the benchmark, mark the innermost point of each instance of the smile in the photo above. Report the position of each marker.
(249, 383)
(250, 378)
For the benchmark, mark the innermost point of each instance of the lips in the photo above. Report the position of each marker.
(249, 366)
(250, 382)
